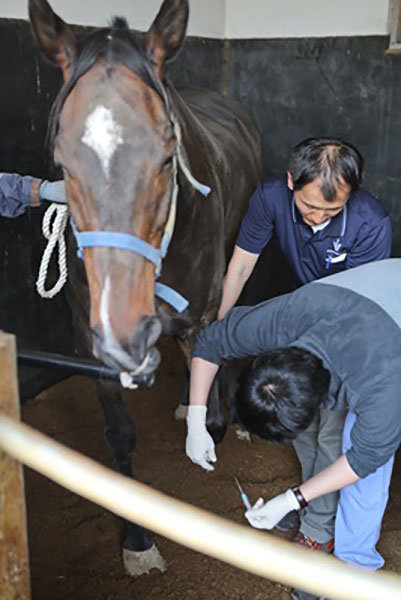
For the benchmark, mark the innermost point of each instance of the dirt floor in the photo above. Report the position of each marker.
(74, 544)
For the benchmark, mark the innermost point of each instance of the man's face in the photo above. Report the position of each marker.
(311, 204)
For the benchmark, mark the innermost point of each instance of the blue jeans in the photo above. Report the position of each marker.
(360, 512)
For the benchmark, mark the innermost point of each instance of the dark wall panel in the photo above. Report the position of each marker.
(199, 63)
(345, 87)
(29, 86)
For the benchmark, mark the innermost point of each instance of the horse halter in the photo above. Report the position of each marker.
(124, 241)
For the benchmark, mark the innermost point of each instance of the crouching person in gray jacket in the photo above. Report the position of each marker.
(18, 192)
(333, 344)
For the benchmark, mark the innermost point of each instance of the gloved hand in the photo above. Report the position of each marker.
(54, 191)
(267, 515)
(199, 444)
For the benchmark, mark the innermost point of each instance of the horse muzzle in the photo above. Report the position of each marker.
(137, 355)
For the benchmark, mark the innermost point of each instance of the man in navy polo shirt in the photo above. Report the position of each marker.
(323, 221)
(324, 224)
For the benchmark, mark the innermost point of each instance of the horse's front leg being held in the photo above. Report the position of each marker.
(139, 551)
(216, 421)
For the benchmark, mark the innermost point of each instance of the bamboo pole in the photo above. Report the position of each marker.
(259, 553)
(14, 562)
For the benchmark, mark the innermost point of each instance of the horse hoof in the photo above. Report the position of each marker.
(181, 412)
(242, 434)
(141, 563)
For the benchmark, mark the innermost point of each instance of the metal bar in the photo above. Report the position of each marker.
(66, 363)
(259, 553)
(14, 557)
(77, 366)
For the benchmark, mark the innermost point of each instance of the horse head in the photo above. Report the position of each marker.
(113, 135)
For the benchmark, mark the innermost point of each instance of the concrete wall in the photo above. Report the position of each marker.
(233, 18)
(207, 17)
(305, 18)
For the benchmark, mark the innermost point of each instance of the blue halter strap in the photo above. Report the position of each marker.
(114, 239)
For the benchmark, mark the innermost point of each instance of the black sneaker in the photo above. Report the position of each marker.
(291, 522)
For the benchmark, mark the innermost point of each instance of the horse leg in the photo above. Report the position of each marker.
(181, 411)
(231, 375)
(216, 421)
(139, 551)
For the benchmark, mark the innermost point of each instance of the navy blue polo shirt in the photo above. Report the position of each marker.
(359, 234)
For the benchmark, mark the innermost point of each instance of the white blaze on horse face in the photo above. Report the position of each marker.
(111, 346)
(103, 134)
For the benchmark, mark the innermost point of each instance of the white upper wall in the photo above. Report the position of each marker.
(305, 18)
(232, 18)
(207, 17)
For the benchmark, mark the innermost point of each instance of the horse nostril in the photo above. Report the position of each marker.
(151, 330)
(146, 335)
(116, 352)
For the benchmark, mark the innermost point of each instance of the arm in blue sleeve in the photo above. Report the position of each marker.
(17, 193)
(257, 225)
(373, 245)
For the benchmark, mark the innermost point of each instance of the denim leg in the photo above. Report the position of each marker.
(317, 447)
(360, 512)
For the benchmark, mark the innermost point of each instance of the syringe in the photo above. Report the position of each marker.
(244, 497)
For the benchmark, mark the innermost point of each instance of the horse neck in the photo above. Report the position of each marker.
(197, 147)
(192, 129)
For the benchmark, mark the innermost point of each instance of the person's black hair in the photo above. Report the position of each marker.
(279, 393)
(329, 160)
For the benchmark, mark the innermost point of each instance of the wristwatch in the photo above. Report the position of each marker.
(299, 496)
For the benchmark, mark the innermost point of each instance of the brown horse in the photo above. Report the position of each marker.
(133, 151)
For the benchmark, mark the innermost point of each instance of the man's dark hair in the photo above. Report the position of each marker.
(329, 160)
(279, 394)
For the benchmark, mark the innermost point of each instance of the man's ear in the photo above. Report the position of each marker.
(54, 37)
(290, 182)
(167, 33)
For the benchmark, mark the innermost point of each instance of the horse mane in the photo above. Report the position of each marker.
(114, 44)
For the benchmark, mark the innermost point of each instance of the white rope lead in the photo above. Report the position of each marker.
(54, 235)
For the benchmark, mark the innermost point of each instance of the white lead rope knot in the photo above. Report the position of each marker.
(54, 235)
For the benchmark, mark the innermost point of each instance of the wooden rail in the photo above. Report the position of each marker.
(14, 562)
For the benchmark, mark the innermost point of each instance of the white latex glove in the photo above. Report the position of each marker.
(199, 444)
(266, 516)
(54, 191)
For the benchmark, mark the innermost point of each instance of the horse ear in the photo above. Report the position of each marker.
(167, 33)
(55, 38)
